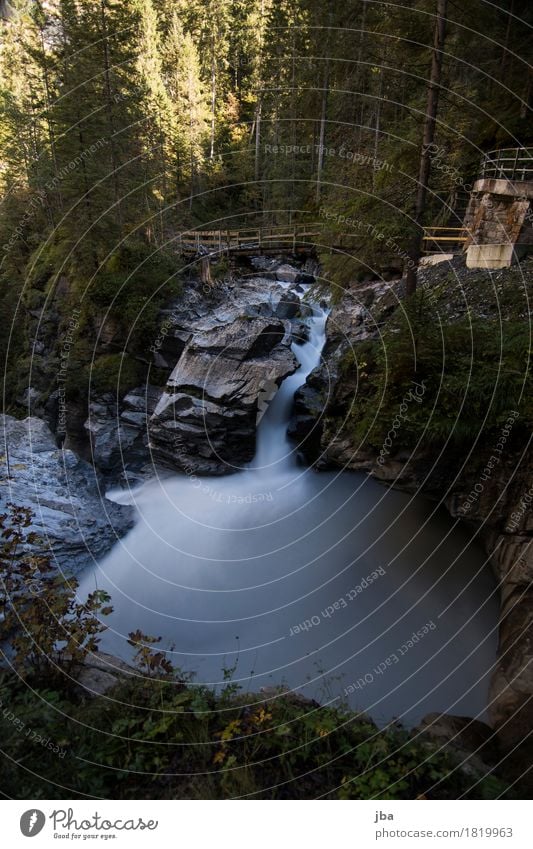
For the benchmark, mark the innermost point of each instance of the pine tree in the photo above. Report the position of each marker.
(181, 74)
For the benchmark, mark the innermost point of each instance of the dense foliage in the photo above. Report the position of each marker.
(458, 379)
(123, 122)
(180, 740)
(47, 629)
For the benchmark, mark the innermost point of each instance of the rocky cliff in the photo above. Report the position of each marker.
(231, 348)
(224, 349)
(74, 521)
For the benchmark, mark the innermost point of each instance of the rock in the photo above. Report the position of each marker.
(304, 279)
(118, 433)
(288, 306)
(75, 521)
(288, 274)
(205, 421)
(231, 348)
(96, 682)
(473, 742)
(264, 263)
(305, 426)
(191, 329)
(354, 319)
(29, 398)
(511, 704)
(291, 697)
(101, 672)
(109, 440)
(300, 332)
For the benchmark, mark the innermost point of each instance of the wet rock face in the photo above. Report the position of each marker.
(474, 743)
(226, 350)
(76, 523)
(220, 348)
(354, 319)
(205, 421)
(118, 433)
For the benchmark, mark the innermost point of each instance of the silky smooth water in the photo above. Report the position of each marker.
(316, 581)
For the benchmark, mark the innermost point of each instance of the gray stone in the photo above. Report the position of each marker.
(473, 743)
(205, 421)
(102, 672)
(118, 433)
(77, 525)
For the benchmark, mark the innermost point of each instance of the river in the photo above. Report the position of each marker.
(327, 583)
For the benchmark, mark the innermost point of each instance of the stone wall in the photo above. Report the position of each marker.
(499, 217)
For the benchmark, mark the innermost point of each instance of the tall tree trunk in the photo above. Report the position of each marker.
(506, 55)
(360, 74)
(213, 94)
(293, 202)
(377, 126)
(259, 107)
(258, 138)
(110, 114)
(324, 112)
(432, 106)
(322, 134)
(51, 133)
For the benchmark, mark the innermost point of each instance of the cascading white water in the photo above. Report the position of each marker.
(274, 449)
(327, 583)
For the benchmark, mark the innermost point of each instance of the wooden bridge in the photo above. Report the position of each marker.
(303, 238)
(297, 238)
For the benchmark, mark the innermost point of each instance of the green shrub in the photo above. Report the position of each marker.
(116, 373)
(474, 372)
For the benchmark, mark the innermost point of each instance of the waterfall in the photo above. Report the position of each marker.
(274, 449)
(315, 581)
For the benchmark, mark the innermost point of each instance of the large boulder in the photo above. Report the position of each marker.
(74, 520)
(205, 421)
(473, 742)
(101, 672)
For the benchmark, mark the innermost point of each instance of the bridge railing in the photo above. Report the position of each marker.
(249, 238)
(508, 163)
(288, 237)
(443, 239)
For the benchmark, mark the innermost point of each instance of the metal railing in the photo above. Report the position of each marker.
(508, 163)
(443, 239)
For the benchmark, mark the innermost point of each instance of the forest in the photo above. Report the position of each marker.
(125, 123)
(205, 386)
